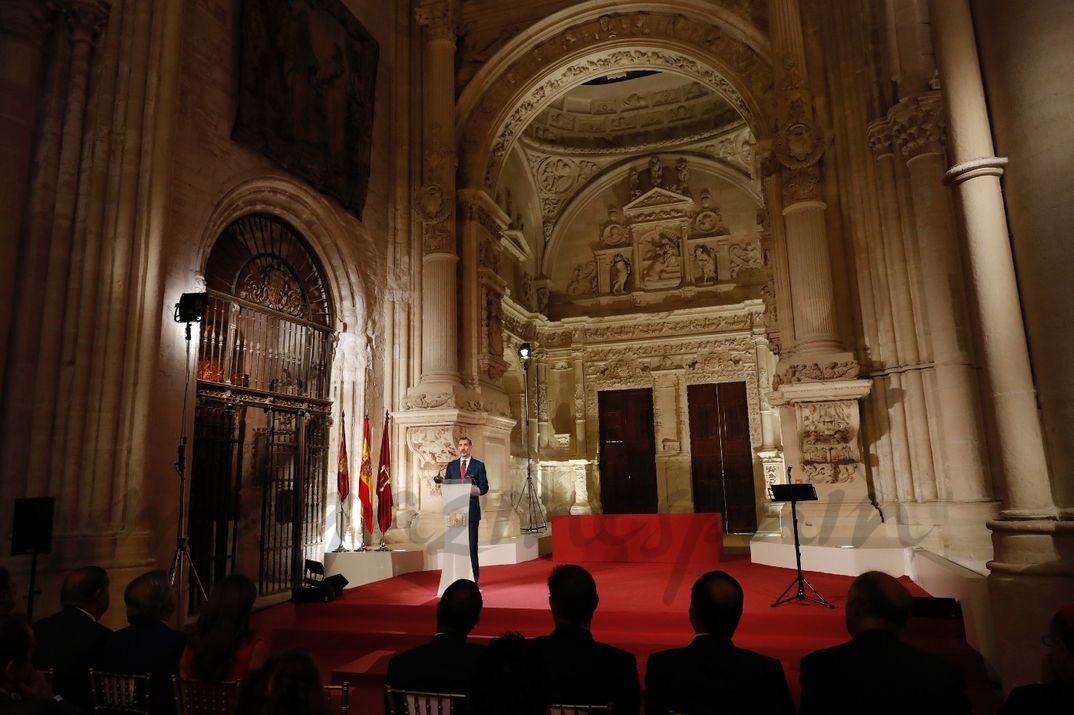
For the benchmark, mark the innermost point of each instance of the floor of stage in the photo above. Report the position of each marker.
(643, 608)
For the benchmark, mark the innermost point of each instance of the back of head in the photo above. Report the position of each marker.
(289, 684)
(1059, 660)
(149, 597)
(877, 601)
(572, 594)
(224, 624)
(86, 588)
(459, 608)
(716, 604)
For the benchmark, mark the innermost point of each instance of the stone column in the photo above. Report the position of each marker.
(23, 31)
(436, 200)
(816, 381)
(975, 175)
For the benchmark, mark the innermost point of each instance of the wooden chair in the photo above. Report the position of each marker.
(119, 693)
(563, 709)
(338, 697)
(195, 697)
(420, 702)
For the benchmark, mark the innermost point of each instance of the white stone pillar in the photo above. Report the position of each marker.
(975, 175)
(917, 127)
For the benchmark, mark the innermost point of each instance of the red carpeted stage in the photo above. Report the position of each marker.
(643, 608)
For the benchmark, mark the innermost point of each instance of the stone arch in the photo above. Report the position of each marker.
(710, 45)
(615, 173)
(348, 264)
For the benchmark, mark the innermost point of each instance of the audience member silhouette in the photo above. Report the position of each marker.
(70, 640)
(222, 646)
(511, 681)
(148, 644)
(1055, 692)
(583, 670)
(447, 663)
(288, 684)
(7, 593)
(24, 689)
(712, 673)
(875, 671)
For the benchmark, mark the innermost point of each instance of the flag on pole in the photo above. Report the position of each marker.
(384, 481)
(365, 480)
(343, 476)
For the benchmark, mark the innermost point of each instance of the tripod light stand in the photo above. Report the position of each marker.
(535, 521)
(189, 309)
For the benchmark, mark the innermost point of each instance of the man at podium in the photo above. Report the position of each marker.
(466, 467)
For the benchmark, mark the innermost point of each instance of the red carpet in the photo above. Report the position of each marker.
(643, 608)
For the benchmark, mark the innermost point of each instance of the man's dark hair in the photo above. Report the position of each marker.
(459, 608)
(81, 586)
(15, 640)
(880, 599)
(572, 593)
(716, 603)
(149, 597)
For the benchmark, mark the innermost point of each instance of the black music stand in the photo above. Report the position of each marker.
(795, 493)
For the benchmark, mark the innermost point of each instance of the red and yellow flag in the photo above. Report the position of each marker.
(343, 473)
(365, 481)
(384, 481)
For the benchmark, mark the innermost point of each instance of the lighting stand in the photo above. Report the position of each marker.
(535, 522)
(182, 544)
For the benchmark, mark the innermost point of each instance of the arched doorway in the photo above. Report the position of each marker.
(259, 475)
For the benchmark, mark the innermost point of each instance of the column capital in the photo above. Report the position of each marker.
(878, 135)
(801, 185)
(917, 125)
(440, 18)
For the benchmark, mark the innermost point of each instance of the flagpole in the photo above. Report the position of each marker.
(342, 473)
(384, 484)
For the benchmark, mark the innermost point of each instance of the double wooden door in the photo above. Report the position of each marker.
(721, 454)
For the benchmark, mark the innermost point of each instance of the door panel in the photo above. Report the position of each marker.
(721, 454)
(627, 452)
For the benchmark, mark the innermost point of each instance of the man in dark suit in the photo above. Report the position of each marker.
(712, 674)
(148, 644)
(447, 664)
(580, 669)
(874, 671)
(71, 640)
(466, 467)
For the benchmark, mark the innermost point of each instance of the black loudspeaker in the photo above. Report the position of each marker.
(32, 526)
(335, 584)
(320, 591)
(933, 607)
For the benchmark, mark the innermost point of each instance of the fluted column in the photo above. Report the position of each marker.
(975, 173)
(436, 203)
(917, 125)
(23, 31)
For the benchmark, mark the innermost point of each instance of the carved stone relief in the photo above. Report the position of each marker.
(828, 435)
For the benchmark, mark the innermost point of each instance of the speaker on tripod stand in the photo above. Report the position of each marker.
(534, 511)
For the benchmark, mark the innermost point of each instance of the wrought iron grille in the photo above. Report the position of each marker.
(249, 346)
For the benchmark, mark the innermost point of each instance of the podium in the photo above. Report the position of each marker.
(455, 557)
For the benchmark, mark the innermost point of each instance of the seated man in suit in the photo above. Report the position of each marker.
(70, 641)
(712, 673)
(1055, 691)
(148, 644)
(580, 669)
(447, 664)
(875, 671)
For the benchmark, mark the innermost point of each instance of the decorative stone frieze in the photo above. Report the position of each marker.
(917, 125)
(803, 184)
(816, 372)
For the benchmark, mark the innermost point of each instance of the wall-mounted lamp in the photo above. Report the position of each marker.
(524, 353)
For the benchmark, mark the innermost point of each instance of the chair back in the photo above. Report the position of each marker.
(113, 693)
(196, 697)
(421, 702)
(564, 709)
(338, 697)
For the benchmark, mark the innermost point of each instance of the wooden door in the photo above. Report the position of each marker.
(721, 455)
(627, 452)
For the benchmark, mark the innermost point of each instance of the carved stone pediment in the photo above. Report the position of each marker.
(659, 204)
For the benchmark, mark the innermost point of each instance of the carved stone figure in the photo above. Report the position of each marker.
(635, 183)
(656, 171)
(706, 264)
(620, 272)
(666, 262)
(682, 170)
